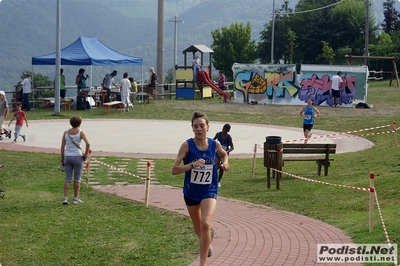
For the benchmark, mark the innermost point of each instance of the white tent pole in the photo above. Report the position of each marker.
(142, 86)
(33, 90)
(90, 87)
(58, 62)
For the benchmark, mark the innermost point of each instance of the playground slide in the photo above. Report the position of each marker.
(201, 75)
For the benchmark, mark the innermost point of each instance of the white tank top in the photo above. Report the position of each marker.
(70, 148)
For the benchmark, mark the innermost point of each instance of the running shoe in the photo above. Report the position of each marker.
(65, 201)
(77, 200)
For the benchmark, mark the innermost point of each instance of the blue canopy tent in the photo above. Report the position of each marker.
(90, 52)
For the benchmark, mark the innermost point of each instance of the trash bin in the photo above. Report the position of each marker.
(273, 140)
(272, 145)
(273, 158)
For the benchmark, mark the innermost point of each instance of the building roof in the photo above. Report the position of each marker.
(198, 48)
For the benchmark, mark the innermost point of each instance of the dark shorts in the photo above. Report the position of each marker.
(307, 127)
(190, 202)
(223, 88)
(335, 93)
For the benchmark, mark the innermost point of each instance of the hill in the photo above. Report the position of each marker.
(28, 28)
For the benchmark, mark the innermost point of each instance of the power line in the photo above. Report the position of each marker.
(269, 13)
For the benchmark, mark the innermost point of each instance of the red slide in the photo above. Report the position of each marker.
(202, 75)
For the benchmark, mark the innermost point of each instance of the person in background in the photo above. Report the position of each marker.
(26, 90)
(227, 144)
(108, 81)
(80, 80)
(20, 116)
(221, 82)
(197, 63)
(72, 157)
(62, 84)
(125, 86)
(151, 83)
(4, 111)
(134, 89)
(200, 188)
(337, 82)
(133, 85)
(308, 114)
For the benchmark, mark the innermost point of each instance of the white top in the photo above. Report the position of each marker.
(125, 86)
(70, 148)
(196, 62)
(26, 85)
(336, 80)
(108, 81)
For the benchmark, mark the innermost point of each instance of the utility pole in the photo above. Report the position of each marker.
(160, 42)
(273, 32)
(366, 32)
(175, 21)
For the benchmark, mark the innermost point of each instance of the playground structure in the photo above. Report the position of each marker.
(394, 69)
(188, 76)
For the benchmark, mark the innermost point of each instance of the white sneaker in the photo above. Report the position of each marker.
(77, 200)
(219, 184)
(65, 201)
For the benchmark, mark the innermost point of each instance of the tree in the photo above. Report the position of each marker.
(349, 18)
(169, 76)
(291, 46)
(281, 34)
(39, 80)
(384, 47)
(391, 21)
(233, 45)
(327, 52)
(310, 28)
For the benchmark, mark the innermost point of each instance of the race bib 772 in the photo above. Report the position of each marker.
(202, 175)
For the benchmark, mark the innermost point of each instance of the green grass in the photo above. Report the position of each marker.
(36, 229)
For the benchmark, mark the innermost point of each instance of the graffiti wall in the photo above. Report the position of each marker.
(281, 84)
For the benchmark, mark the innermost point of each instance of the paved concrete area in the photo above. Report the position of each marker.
(245, 233)
(162, 139)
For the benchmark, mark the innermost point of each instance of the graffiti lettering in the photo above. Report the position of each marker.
(319, 89)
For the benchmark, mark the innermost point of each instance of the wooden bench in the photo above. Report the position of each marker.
(116, 104)
(313, 149)
(47, 103)
(67, 104)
